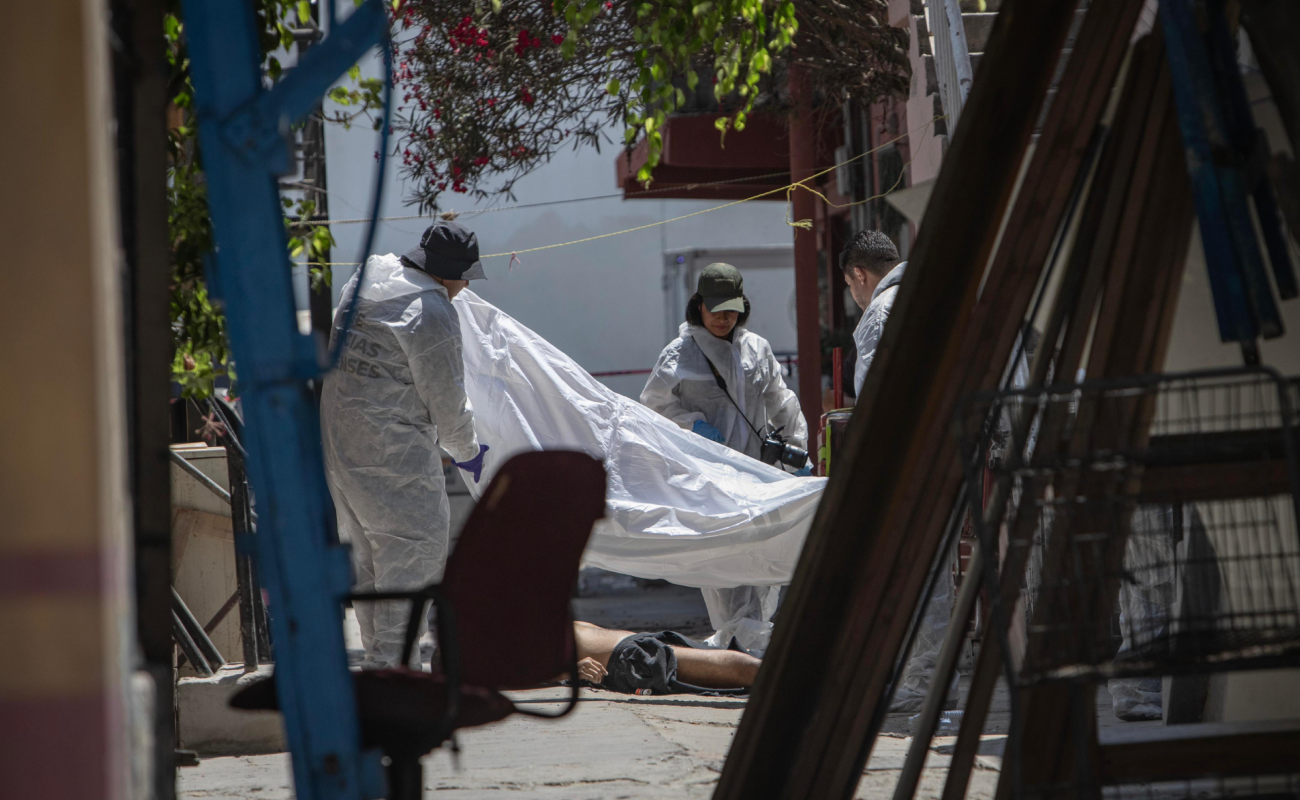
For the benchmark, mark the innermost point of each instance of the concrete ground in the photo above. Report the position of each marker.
(614, 745)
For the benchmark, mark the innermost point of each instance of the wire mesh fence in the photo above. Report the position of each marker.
(1244, 787)
(1153, 521)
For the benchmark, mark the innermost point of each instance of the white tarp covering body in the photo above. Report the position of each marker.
(679, 507)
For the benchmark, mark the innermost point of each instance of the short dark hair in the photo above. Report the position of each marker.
(696, 317)
(870, 250)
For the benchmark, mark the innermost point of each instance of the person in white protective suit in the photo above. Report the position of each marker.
(397, 395)
(722, 381)
(873, 270)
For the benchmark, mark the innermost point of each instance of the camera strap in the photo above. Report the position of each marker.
(722, 384)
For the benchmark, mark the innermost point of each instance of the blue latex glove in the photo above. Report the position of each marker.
(805, 472)
(475, 465)
(709, 432)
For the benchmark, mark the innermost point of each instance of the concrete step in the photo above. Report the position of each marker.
(977, 26)
(207, 724)
(932, 78)
(967, 6)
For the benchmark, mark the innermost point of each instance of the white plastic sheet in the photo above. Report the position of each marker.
(679, 507)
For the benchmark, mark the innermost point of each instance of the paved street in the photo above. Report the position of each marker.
(614, 745)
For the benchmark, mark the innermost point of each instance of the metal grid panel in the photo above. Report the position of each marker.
(1159, 520)
(1253, 787)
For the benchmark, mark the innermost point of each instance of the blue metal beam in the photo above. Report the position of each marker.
(1252, 145)
(304, 573)
(1243, 298)
(258, 128)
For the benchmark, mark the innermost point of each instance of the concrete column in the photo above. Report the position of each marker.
(65, 608)
(803, 161)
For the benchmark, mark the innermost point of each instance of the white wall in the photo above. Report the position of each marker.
(600, 302)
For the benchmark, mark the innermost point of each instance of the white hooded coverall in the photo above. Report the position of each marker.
(683, 389)
(867, 335)
(397, 394)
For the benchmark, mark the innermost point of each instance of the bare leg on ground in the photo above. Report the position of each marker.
(711, 669)
(716, 669)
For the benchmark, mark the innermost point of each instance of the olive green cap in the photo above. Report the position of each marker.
(722, 288)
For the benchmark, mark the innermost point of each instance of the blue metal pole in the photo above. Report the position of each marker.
(305, 575)
(1243, 298)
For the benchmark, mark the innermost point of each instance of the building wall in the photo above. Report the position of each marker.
(64, 602)
(926, 147)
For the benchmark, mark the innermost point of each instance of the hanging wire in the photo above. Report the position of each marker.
(787, 189)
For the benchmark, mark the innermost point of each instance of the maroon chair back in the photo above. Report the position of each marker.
(511, 577)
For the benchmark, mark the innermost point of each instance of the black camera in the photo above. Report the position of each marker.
(776, 450)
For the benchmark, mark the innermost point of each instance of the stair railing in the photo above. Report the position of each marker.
(951, 57)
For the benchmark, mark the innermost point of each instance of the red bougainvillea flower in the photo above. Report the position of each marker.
(546, 95)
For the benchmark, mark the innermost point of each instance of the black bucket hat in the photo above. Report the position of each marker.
(447, 250)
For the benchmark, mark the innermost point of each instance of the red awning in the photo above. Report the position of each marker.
(751, 161)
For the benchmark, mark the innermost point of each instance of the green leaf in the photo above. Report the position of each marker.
(692, 79)
(354, 72)
(496, 6)
(702, 8)
(612, 86)
(304, 11)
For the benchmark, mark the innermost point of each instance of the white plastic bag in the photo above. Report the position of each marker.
(679, 507)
